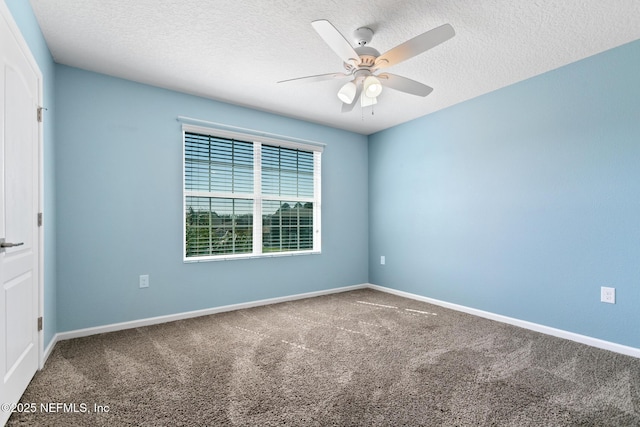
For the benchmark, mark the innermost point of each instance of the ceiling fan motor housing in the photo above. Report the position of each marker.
(367, 56)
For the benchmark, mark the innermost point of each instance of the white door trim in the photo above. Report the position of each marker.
(7, 17)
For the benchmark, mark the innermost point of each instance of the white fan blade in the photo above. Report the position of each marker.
(336, 41)
(404, 84)
(316, 78)
(415, 46)
(348, 107)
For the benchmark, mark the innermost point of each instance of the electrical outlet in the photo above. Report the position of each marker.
(382, 260)
(144, 280)
(608, 295)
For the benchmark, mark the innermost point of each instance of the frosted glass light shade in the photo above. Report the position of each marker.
(372, 87)
(347, 93)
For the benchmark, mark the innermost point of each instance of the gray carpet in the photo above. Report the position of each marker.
(357, 358)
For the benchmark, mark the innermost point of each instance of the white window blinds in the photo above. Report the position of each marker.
(230, 183)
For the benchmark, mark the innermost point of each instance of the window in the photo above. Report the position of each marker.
(247, 196)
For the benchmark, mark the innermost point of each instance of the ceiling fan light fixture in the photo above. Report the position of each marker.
(372, 87)
(361, 62)
(347, 92)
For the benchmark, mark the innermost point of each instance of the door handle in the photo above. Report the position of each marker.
(4, 245)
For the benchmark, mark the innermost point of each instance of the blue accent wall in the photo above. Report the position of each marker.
(24, 17)
(119, 195)
(522, 202)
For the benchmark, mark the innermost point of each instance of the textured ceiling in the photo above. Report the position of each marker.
(236, 51)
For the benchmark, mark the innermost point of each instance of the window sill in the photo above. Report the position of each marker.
(248, 256)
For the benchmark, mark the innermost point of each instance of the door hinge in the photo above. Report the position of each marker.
(39, 219)
(40, 114)
(39, 323)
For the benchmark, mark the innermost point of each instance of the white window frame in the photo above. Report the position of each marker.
(256, 196)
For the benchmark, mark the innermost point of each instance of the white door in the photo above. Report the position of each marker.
(19, 196)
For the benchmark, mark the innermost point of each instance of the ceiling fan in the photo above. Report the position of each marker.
(363, 63)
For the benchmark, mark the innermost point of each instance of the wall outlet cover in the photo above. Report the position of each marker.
(608, 295)
(144, 281)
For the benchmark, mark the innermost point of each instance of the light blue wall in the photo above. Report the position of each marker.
(23, 15)
(119, 189)
(521, 202)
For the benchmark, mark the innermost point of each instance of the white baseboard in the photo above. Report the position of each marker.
(48, 350)
(583, 339)
(197, 313)
(594, 342)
